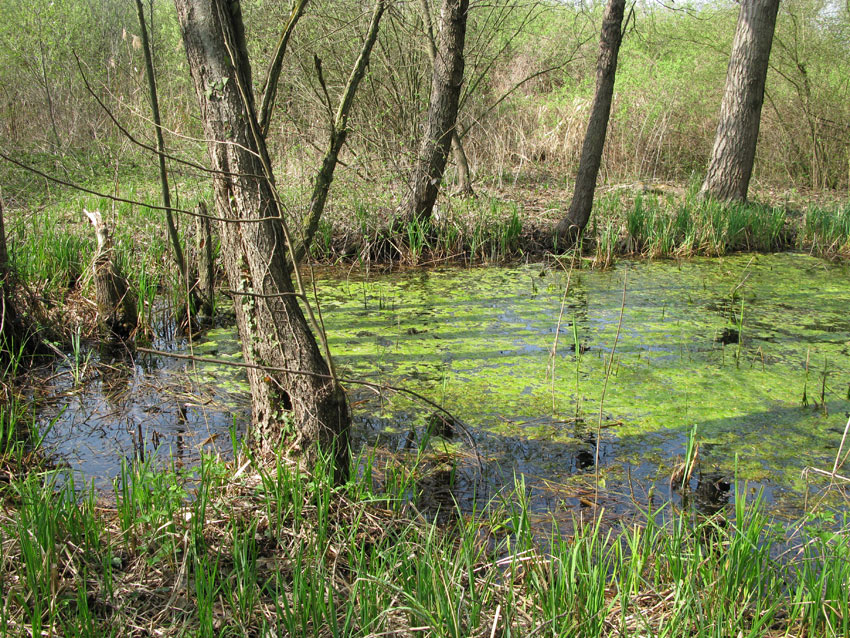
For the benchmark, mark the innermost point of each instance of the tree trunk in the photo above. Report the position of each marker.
(338, 132)
(206, 267)
(464, 181)
(254, 241)
(179, 260)
(11, 331)
(731, 164)
(464, 177)
(446, 82)
(572, 226)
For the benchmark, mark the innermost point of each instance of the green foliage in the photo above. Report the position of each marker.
(248, 560)
(828, 230)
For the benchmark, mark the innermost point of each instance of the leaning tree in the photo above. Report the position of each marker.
(296, 397)
(446, 83)
(731, 164)
(571, 227)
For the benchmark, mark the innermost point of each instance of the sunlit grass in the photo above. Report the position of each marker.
(209, 553)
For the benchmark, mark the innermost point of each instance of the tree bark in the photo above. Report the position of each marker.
(11, 331)
(731, 164)
(206, 267)
(464, 176)
(304, 407)
(464, 179)
(446, 82)
(572, 226)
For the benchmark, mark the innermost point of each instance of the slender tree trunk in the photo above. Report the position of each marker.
(273, 73)
(273, 329)
(160, 148)
(573, 225)
(464, 180)
(464, 176)
(10, 332)
(206, 267)
(48, 94)
(446, 82)
(731, 164)
(338, 132)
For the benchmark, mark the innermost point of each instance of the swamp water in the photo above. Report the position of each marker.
(753, 351)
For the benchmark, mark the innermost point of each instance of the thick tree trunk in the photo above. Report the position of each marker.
(446, 82)
(731, 164)
(272, 326)
(571, 227)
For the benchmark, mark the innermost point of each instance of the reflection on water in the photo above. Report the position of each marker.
(132, 409)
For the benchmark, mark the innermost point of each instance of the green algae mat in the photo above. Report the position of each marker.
(752, 350)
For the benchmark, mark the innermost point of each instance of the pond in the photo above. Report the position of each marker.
(751, 350)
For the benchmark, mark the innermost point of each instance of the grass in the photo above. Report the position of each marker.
(827, 231)
(272, 549)
(481, 231)
(52, 249)
(625, 223)
(664, 228)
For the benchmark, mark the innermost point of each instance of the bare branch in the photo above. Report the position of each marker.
(339, 131)
(141, 144)
(273, 75)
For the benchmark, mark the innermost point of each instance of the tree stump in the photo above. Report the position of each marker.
(116, 304)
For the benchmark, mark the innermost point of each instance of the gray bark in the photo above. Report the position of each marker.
(464, 179)
(256, 252)
(573, 225)
(731, 164)
(446, 82)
